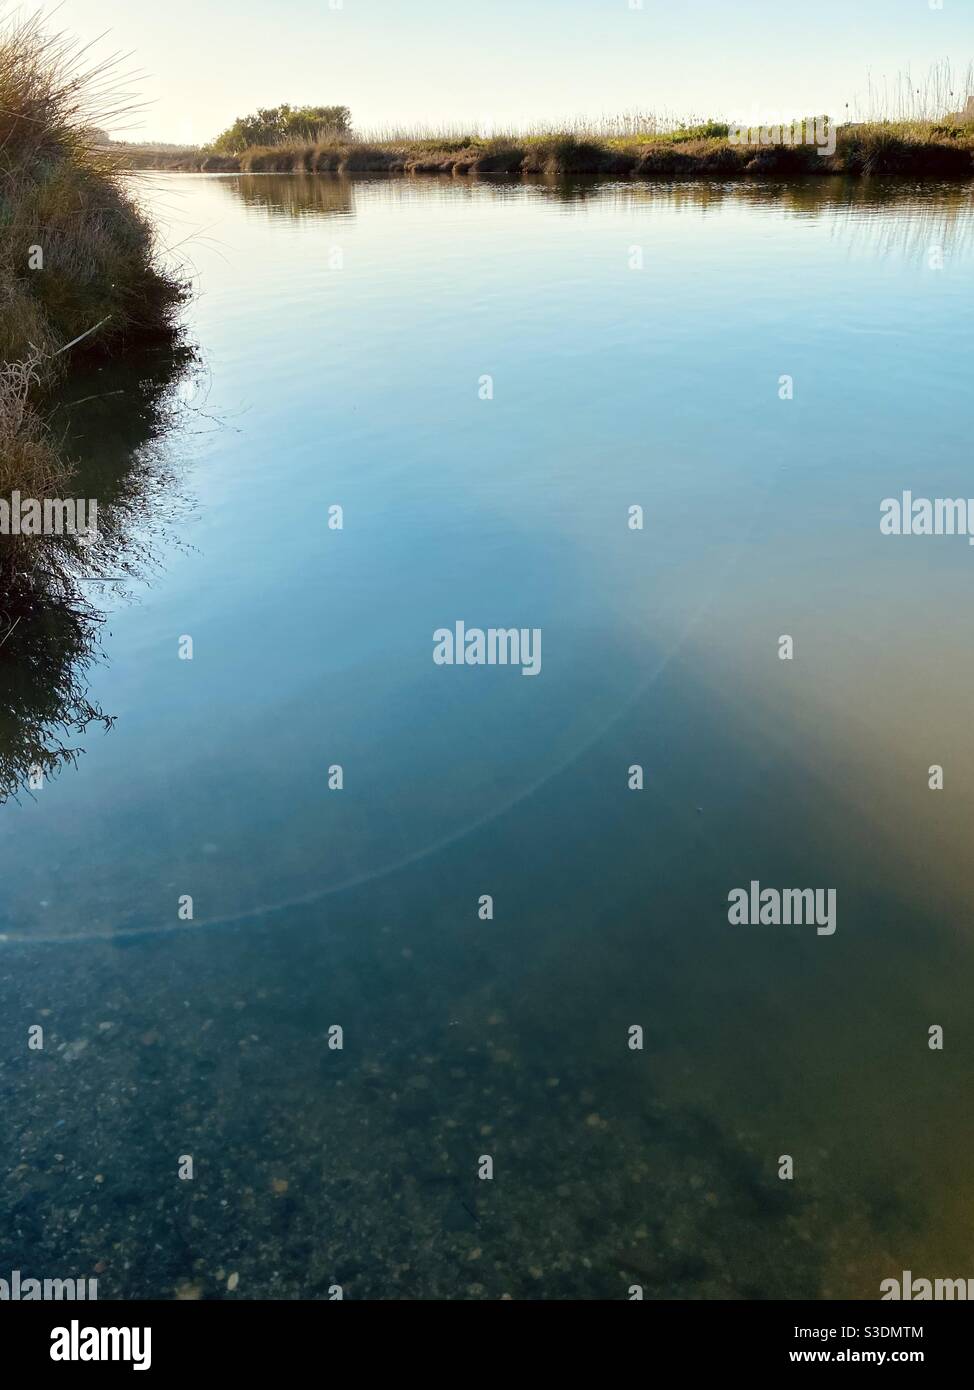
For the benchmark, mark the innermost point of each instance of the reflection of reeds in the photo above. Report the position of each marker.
(885, 215)
(50, 610)
(921, 214)
(43, 701)
(296, 197)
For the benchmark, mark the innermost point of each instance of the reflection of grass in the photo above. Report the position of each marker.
(48, 622)
(46, 651)
(925, 214)
(295, 197)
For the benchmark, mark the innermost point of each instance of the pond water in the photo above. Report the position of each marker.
(486, 378)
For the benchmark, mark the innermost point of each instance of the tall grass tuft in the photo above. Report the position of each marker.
(941, 93)
(79, 272)
(75, 251)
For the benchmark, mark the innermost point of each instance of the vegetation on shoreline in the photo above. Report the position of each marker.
(859, 150)
(80, 281)
(275, 125)
(918, 127)
(79, 274)
(919, 149)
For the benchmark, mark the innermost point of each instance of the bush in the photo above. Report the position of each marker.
(277, 125)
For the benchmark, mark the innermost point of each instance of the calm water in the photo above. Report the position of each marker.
(345, 329)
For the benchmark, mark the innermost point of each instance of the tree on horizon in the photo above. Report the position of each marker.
(274, 125)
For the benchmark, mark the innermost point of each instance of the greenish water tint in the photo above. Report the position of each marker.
(345, 328)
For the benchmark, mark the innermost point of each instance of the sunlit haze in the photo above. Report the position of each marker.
(406, 62)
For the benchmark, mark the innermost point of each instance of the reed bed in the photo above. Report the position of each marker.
(79, 271)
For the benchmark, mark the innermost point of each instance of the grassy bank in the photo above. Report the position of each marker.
(919, 149)
(78, 277)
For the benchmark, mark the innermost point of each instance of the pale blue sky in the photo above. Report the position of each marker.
(445, 61)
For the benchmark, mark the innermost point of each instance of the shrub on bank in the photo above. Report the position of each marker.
(278, 125)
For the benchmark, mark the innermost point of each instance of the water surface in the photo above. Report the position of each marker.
(636, 337)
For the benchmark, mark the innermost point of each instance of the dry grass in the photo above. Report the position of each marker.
(76, 255)
(907, 125)
(920, 149)
(62, 194)
(29, 463)
(915, 130)
(910, 100)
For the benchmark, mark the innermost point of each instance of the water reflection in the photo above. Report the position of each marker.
(111, 424)
(355, 385)
(295, 195)
(313, 647)
(923, 214)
